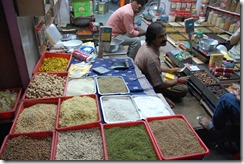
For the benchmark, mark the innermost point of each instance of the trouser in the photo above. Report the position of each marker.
(175, 92)
(227, 109)
(134, 44)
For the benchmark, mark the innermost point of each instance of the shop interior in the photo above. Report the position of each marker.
(33, 31)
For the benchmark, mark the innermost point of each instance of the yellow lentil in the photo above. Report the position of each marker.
(54, 64)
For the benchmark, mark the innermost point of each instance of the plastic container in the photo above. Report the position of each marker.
(32, 135)
(42, 90)
(183, 157)
(52, 55)
(29, 103)
(210, 16)
(93, 96)
(78, 128)
(172, 16)
(11, 112)
(227, 24)
(129, 124)
(82, 56)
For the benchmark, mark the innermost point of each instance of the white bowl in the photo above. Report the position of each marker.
(72, 44)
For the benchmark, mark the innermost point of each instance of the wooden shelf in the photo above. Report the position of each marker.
(225, 11)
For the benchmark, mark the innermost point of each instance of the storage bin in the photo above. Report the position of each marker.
(79, 114)
(46, 85)
(28, 148)
(82, 143)
(182, 131)
(30, 106)
(9, 113)
(135, 134)
(59, 66)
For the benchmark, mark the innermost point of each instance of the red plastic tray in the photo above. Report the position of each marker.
(10, 114)
(186, 157)
(35, 135)
(27, 103)
(124, 124)
(49, 55)
(94, 96)
(88, 126)
(53, 73)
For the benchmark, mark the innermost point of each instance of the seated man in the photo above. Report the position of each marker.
(227, 109)
(123, 26)
(148, 61)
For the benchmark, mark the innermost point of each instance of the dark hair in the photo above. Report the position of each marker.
(153, 29)
(142, 2)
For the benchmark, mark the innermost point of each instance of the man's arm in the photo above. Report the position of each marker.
(235, 39)
(141, 31)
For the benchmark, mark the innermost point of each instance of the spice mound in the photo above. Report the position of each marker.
(175, 138)
(46, 85)
(84, 144)
(54, 64)
(129, 143)
(78, 110)
(36, 118)
(28, 148)
(111, 85)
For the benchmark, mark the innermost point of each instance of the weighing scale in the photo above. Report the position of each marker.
(105, 35)
(189, 28)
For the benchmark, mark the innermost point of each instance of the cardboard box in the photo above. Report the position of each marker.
(82, 8)
(215, 60)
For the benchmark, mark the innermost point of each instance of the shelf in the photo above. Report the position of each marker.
(226, 11)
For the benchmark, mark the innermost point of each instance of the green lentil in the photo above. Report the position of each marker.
(54, 64)
(129, 143)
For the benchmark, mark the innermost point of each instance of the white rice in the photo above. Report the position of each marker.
(119, 109)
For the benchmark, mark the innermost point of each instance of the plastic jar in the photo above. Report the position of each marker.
(219, 21)
(173, 5)
(172, 16)
(210, 16)
(227, 24)
(214, 19)
(178, 5)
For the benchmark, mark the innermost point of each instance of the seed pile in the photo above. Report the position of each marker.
(118, 109)
(78, 110)
(175, 138)
(28, 148)
(45, 85)
(85, 144)
(111, 85)
(38, 117)
(54, 64)
(129, 143)
(80, 86)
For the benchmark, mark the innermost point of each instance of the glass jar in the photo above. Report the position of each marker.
(210, 16)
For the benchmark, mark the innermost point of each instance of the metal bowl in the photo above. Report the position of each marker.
(114, 46)
(208, 44)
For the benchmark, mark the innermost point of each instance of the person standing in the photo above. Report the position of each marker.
(148, 61)
(123, 26)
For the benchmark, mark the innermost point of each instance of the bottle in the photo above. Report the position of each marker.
(198, 37)
(81, 56)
